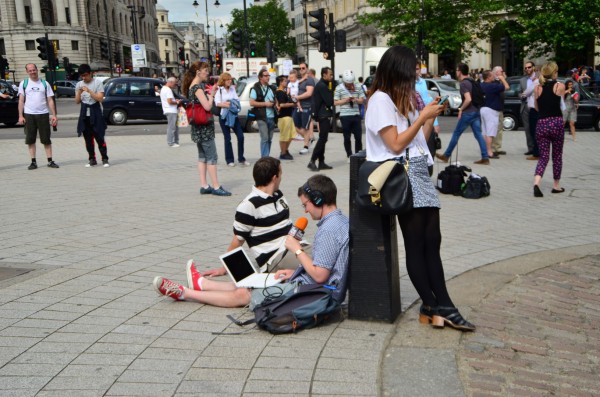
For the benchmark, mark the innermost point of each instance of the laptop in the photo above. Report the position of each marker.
(244, 272)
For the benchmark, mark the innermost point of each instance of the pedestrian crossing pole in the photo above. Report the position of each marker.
(331, 55)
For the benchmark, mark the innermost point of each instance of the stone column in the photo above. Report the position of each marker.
(36, 12)
(73, 12)
(61, 15)
(20, 11)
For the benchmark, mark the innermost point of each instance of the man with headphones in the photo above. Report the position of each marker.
(328, 265)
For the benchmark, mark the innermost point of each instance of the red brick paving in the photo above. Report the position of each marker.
(537, 336)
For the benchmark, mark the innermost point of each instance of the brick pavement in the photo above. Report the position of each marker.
(85, 321)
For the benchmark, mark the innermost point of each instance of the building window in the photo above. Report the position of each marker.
(29, 45)
(68, 14)
(28, 14)
(292, 5)
(293, 23)
(162, 18)
(74, 45)
(166, 42)
(167, 58)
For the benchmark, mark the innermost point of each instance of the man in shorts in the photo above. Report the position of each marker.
(328, 264)
(36, 102)
(285, 107)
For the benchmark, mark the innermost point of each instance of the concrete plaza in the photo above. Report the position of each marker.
(80, 246)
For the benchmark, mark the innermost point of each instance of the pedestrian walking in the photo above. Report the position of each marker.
(348, 96)
(323, 102)
(571, 99)
(169, 106)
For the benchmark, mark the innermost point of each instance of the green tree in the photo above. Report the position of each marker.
(449, 26)
(266, 21)
(562, 29)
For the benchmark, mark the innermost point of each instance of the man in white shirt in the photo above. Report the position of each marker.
(169, 106)
(35, 103)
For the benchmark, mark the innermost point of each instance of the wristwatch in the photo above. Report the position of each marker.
(298, 251)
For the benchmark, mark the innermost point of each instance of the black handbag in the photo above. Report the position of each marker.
(215, 110)
(384, 187)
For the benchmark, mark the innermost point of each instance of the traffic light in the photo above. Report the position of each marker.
(319, 26)
(271, 57)
(104, 49)
(42, 47)
(236, 39)
(66, 64)
(181, 54)
(218, 60)
(252, 49)
(504, 44)
(340, 41)
(3, 65)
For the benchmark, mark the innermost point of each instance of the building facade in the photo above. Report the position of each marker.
(76, 29)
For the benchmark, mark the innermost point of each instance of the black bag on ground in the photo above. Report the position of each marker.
(307, 307)
(476, 187)
(451, 179)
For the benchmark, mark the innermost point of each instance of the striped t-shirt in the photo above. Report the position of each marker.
(262, 221)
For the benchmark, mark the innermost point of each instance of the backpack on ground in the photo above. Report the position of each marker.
(477, 94)
(476, 187)
(451, 179)
(306, 307)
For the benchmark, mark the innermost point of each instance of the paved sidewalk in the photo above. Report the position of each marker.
(79, 248)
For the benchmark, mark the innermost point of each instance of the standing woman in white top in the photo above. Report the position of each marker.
(394, 128)
(223, 97)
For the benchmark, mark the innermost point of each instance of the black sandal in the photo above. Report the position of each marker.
(561, 190)
(451, 317)
(425, 314)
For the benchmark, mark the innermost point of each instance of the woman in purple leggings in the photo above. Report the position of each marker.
(550, 128)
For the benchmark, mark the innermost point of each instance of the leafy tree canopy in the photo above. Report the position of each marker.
(449, 26)
(266, 21)
(563, 28)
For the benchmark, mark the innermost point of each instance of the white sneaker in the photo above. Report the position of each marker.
(231, 164)
(105, 163)
(175, 145)
(245, 163)
(298, 137)
(303, 150)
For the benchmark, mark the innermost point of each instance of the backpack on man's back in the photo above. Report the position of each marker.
(477, 94)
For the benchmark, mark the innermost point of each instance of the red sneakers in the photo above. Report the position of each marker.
(193, 276)
(166, 287)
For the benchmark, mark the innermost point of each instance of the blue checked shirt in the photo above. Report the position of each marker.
(330, 251)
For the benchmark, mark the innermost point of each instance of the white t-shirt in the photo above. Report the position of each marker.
(293, 88)
(36, 97)
(224, 95)
(95, 85)
(381, 113)
(165, 94)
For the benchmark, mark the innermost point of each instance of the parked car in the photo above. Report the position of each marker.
(129, 98)
(443, 87)
(65, 88)
(9, 107)
(588, 113)
(243, 91)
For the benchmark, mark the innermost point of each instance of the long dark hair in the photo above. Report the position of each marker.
(396, 76)
(190, 74)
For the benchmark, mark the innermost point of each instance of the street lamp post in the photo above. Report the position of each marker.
(216, 4)
(214, 21)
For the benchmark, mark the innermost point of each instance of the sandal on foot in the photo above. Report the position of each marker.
(425, 314)
(537, 192)
(561, 190)
(451, 317)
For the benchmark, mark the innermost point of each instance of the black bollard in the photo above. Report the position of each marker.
(374, 276)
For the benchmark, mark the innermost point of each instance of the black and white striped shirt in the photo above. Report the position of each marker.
(262, 221)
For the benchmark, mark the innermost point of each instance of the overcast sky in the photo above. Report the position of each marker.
(183, 11)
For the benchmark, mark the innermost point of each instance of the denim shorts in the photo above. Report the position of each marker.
(207, 152)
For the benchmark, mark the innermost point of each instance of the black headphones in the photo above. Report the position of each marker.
(315, 196)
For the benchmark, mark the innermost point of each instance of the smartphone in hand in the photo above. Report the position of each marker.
(443, 100)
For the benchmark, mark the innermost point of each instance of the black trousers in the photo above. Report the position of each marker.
(422, 241)
(89, 135)
(319, 152)
(351, 125)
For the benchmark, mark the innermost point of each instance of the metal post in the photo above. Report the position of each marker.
(332, 52)
(208, 36)
(246, 40)
(305, 30)
(110, 63)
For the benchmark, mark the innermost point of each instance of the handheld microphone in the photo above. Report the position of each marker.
(297, 231)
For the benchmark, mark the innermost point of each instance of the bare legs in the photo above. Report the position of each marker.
(203, 168)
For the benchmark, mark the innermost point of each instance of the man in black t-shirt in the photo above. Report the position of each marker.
(285, 123)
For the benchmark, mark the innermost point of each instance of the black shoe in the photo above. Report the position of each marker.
(527, 153)
(502, 152)
(537, 192)
(312, 166)
(450, 316)
(323, 166)
(425, 314)
(32, 166)
(52, 164)
(91, 163)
